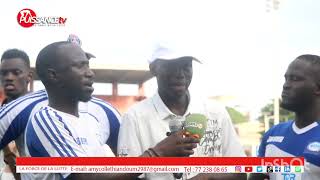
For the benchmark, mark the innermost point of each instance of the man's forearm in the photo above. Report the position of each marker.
(14, 172)
(10, 159)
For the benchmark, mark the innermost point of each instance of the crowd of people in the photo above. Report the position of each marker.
(64, 120)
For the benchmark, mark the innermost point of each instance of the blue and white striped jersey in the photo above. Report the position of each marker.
(52, 133)
(15, 115)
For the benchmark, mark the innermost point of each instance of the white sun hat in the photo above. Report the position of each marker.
(165, 53)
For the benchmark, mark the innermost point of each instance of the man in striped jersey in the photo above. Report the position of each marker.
(15, 115)
(15, 75)
(61, 130)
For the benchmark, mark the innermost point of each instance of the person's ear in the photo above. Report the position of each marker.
(317, 90)
(29, 76)
(52, 75)
(154, 68)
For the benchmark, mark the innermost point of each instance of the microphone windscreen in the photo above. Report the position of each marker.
(196, 125)
(176, 124)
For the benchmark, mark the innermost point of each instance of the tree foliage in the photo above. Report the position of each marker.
(268, 109)
(236, 116)
(284, 115)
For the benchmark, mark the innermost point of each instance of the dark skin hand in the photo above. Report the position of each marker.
(10, 154)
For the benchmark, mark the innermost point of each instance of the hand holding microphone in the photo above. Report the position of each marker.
(176, 145)
(194, 126)
(175, 125)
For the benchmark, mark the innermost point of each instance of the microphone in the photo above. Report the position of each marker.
(195, 125)
(175, 125)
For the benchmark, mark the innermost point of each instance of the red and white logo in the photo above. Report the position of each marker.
(27, 18)
(248, 169)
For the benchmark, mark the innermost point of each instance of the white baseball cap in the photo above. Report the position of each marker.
(164, 53)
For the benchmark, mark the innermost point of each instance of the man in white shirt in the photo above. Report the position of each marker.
(147, 122)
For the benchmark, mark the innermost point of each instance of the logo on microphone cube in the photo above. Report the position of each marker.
(195, 125)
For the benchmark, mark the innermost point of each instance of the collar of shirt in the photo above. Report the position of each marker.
(163, 111)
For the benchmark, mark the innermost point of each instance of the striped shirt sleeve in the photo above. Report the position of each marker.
(14, 116)
(48, 136)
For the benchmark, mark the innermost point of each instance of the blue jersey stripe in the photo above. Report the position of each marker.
(114, 126)
(34, 144)
(21, 99)
(46, 118)
(10, 106)
(61, 136)
(18, 124)
(64, 125)
(94, 99)
(47, 136)
(59, 133)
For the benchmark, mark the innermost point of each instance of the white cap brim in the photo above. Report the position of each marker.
(163, 53)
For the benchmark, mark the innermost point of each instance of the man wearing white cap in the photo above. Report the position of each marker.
(147, 122)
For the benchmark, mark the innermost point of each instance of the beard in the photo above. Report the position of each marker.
(295, 105)
(85, 98)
